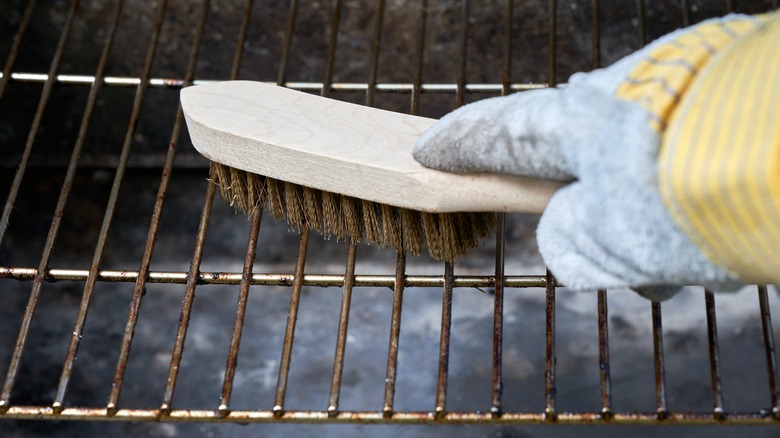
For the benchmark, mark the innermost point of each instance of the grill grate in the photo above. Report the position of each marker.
(504, 281)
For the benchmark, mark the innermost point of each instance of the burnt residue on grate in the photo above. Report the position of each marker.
(130, 293)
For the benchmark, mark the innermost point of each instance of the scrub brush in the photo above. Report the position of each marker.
(345, 170)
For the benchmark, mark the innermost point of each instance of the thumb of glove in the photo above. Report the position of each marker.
(517, 135)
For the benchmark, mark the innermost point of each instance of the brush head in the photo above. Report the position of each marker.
(446, 235)
(345, 170)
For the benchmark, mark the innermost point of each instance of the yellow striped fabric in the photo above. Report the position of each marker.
(719, 163)
(659, 80)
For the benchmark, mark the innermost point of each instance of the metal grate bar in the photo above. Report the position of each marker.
(375, 45)
(251, 249)
(464, 41)
(143, 270)
(238, 324)
(417, 84)
(444, 341)
(395, 332)
(59, 210)
(177, 83)
(661, 409)
(323, 280)
(551, 43)
(332, 38)
(184, 318)
(550, 414)
(341, 338)
(289, 332)
(192, 280)
(686, 12)
(375, 417)
(604, 375)
(506, 73)
(769, 348)
(712, 336)
(281, 78)
(9, 63)
(641, 29)
(241, 40)
(596, 34)
(498, 317)
(33, 133)
(24, 330)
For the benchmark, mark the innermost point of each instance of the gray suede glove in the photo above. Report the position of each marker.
(608, 227)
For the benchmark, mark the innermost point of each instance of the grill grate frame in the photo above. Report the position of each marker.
(398, 281)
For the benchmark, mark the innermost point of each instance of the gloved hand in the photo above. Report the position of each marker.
(673, 154)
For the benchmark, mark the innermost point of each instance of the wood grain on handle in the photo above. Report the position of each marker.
(342, 148)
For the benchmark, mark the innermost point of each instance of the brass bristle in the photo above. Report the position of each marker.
(312, 208)
(448, 235)
(432, 236)
(255, 187)
(391, 231)
(371, 223)
(293, 200)
(411, 229)
(238, 187)
(332, 217)
(350, 207)
(273, 188)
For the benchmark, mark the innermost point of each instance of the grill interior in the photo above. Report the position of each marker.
(128, 289)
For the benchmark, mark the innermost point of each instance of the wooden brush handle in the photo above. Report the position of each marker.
(340, 147)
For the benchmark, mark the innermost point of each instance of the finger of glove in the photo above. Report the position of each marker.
(612, 233)
(517, 135)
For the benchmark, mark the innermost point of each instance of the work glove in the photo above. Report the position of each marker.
(672, 158)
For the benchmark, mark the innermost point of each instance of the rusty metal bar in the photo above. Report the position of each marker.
(288, 35)
(769, 349)
(662, 411)
(34, 127)
(375, 417)
(251, 250)
(241, 39)
(550, 413)
(238, 324)
(506, 73)
(178, 83)
(596, 34)
(146, 258)
(497, 387)
(460, 94)
(192, 278)
(395, 332)
(332, 40)
(9, 62)
(417, 81)
(552, 63)
(730, 5)
(686, 12)
(712, 336)
(376, 40)
(341, 338)
(289, 332)
(62, 201)
(604, 374)
(32, 303)
(234, 278)
(641, 29)
(444, 340)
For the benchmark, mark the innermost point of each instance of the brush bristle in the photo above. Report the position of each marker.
(447, 235)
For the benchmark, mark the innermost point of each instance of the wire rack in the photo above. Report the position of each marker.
(461, 90)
